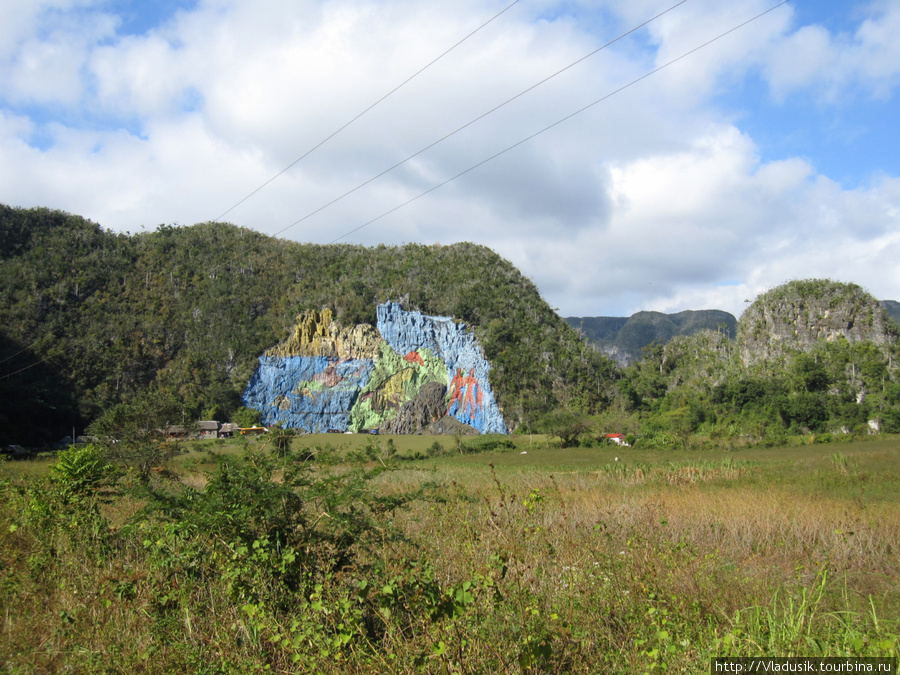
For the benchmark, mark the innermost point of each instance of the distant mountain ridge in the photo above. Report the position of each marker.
(892, 307)
(622, 338)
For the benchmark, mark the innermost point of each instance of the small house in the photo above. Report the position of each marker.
(175, 431)
(209, 429)
(16, 451)
(228, 430)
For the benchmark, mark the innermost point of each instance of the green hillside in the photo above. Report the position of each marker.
(623, 338)
(90, 318)
(810, 357)
(892, 307)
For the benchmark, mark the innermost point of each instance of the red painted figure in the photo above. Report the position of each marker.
(456, 387)
(414, 357)
(471, 384)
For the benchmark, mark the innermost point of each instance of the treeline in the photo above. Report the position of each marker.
(91, 318)
(826, 365)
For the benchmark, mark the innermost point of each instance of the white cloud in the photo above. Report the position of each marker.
(650, 200)
(835, 66)
(141, 76)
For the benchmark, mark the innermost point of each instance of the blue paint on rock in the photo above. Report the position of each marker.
(317, 393)
(314, 393)
(472, 400)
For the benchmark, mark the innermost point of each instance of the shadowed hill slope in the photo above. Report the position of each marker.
(892, 307)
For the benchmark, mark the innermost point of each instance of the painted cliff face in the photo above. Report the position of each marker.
(416, 370)
(314, 393)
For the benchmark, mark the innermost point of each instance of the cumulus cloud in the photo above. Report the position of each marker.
(653, 199)
(864, 60)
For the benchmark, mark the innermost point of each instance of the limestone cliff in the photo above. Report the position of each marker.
(403, 377)
(316, 334)
(795, 315)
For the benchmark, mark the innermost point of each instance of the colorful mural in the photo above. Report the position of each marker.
(395, 381)
(470, 397)
(315, 393)
(417, 369)
(466, 398)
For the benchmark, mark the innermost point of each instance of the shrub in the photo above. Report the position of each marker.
(489, 444)
(82, 471)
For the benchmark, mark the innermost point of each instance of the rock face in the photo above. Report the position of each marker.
(316, 334)
(797, 314)
(403, 378)
(414, 416)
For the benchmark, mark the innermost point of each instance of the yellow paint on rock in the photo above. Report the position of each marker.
(317, 334)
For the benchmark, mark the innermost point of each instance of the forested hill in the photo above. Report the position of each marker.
(623, 338)
(90, 318)
(892, 307)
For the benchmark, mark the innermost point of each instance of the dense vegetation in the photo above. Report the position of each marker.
(323, 560)
(623, 338)
(89, 319)
(167, 325)
(811, 357)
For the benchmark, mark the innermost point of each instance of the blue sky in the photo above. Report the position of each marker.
(142, 16)
(849, 137)
(767, 156)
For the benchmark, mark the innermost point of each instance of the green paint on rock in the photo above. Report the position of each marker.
(396, 379)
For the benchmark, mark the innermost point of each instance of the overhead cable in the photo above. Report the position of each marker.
(22, 370)
(477, 119)
(380, 100)
(21, 351)
(560, 121)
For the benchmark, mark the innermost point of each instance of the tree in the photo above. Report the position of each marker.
(809, 373)
(246, 417)
(135, 433)
(568, 424)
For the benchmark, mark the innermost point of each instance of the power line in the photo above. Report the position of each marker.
(21, 370)
(380, 100)
(32, 383)
(480, 117)
(477, 119)
(560, 121)
(21, 351)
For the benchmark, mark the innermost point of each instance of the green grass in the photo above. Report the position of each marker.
(553, 561)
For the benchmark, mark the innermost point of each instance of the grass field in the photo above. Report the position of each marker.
(419, 554)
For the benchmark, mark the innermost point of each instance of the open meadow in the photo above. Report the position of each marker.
(407, 554)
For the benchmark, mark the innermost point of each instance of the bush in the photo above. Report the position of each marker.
(890, 422)
(82, 471)
(568, 425)
(489, 444)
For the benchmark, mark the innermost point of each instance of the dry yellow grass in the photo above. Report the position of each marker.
(606, 561)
